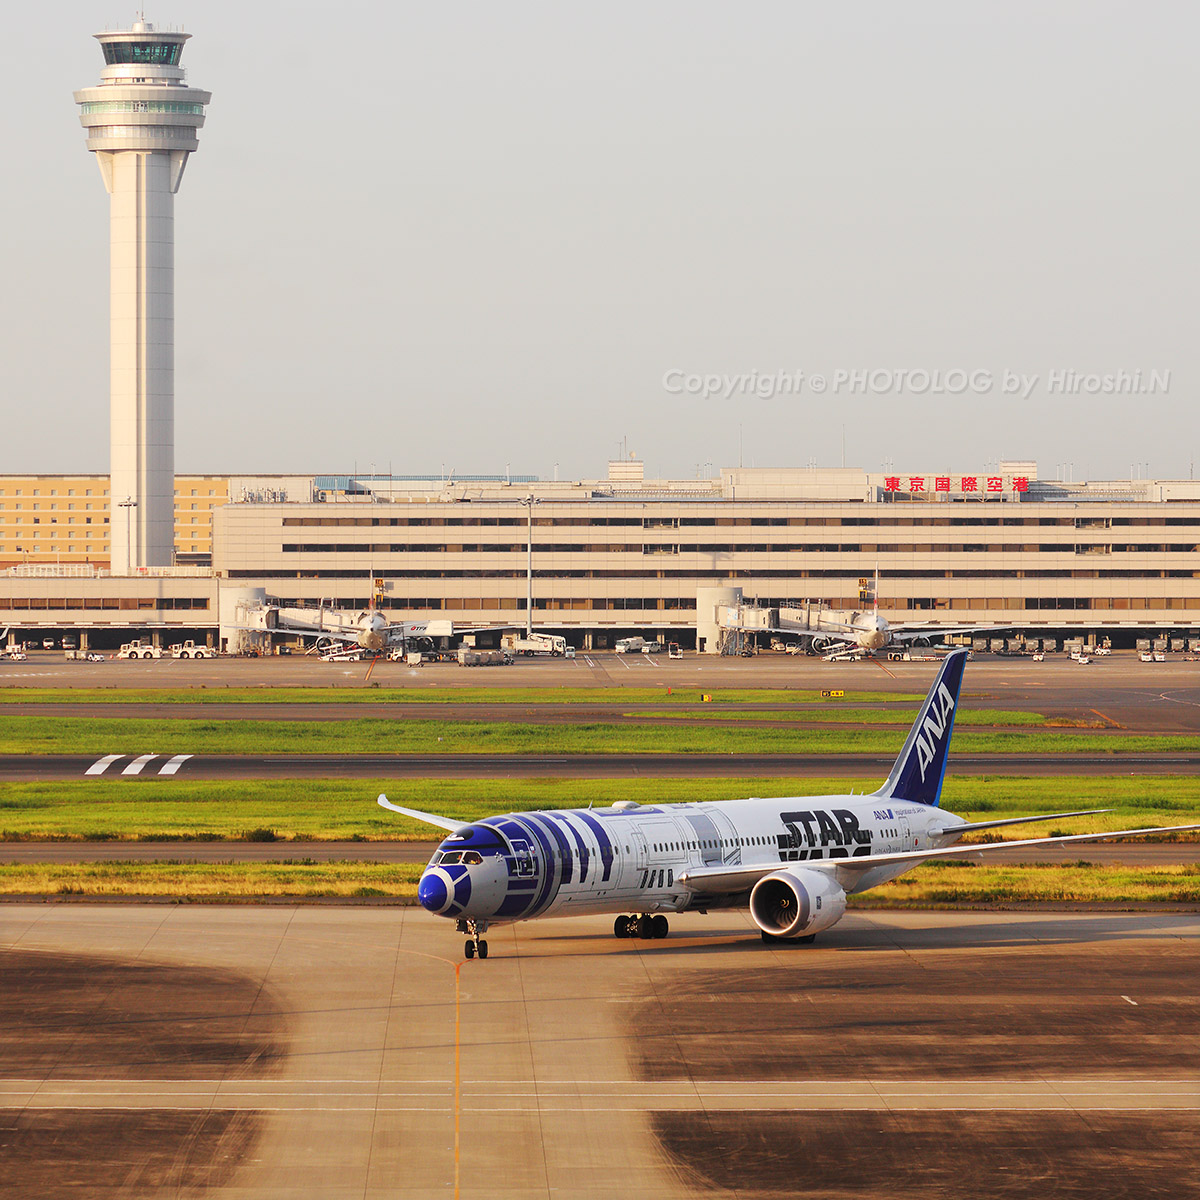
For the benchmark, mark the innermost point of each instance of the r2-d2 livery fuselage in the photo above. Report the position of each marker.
(792, 861)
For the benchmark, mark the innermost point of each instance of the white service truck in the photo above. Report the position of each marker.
(536, 643)
(630, 645)
(190, 649)
(137, 649)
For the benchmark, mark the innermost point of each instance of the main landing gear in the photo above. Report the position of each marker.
(645, 926)
(475, 942)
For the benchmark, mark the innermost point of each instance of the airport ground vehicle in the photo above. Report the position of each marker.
(1039, 656)
(190, 649)
(342, 654)
(535, 643)
(629, 645)
(792, 861)
(484, 658)
(18, 656)
(137, 649)
(47, 643)
(674, 650)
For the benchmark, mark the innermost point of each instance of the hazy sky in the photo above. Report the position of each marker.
(475, 235)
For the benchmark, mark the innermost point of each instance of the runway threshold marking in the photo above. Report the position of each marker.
(135, 767)
(102, 764)
(169, 768)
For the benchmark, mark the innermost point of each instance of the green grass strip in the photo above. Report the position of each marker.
(931, 884)
(83, 735)
(1072, 883)
(829, 715)
(210, 881)
(358, 692)
(344, 809)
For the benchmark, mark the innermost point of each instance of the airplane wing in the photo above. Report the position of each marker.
(740, 879)
(428, 818)
(971, 826)
(911, 630)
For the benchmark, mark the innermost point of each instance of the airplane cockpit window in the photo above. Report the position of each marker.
(471, 858)
(451, 856)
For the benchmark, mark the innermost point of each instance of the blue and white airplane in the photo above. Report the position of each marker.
(793, 860)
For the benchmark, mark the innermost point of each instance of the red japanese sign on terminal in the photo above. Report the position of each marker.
(980, 485)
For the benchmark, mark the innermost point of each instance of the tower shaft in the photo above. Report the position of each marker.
(142, 358)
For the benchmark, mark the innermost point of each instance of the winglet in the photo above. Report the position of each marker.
(428, 818)
(918, 772)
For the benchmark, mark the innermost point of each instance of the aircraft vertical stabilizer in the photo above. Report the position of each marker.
(918, 772)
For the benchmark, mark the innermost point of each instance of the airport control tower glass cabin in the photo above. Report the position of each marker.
(142, 122)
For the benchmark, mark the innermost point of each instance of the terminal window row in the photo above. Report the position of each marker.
(684, 604)
(699, 575)
(739, 548)
(887, 520)
(106, 603)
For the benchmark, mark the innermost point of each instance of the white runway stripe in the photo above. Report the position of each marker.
(135, 767)
(102, 764)
(169, 768)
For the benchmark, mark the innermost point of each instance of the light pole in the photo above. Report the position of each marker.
(529, 502)
(128, 504)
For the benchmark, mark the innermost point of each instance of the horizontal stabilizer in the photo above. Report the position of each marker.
(428, 818)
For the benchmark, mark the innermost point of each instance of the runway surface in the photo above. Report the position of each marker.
(330, 1053)
(50, 767)
(1135, 853)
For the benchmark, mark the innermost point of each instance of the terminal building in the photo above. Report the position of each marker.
(622, 554)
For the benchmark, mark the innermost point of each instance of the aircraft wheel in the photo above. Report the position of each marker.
(645, 927)
(469, 948)
(482, 948)
(660, 926)
(621, 927)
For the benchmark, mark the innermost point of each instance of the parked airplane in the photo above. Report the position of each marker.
(853, 633)
(792, 860)
(368, 629)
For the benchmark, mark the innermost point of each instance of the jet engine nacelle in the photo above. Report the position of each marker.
(792, 904)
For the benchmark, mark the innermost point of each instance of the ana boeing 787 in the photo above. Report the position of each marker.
(792, 860)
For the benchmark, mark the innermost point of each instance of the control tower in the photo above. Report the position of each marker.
(142, 122)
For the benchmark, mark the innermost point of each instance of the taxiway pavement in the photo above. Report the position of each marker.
(330, 1053)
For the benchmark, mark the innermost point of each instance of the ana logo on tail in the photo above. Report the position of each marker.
(933, 727)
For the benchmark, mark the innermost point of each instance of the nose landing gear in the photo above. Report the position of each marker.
(475, 942)
(644, 926)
